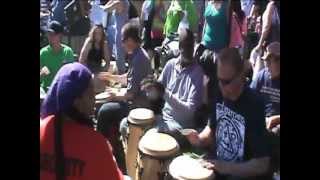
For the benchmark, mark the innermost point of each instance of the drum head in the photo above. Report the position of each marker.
(102, 96)
(141, 116)
(186, 168)
(158, 144)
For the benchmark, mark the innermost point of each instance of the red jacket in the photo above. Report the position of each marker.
(87, 153)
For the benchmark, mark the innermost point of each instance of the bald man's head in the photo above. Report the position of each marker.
(186, 45)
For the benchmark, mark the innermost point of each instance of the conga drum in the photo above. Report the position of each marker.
(186, 168)
(156, 150)
(139, 120)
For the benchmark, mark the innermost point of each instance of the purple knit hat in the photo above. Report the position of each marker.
(69, 83)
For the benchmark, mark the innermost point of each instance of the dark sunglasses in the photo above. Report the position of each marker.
(225, 82)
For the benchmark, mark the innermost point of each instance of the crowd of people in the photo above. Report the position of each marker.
(223, 82)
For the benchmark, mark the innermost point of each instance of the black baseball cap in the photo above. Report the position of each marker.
(55, 27)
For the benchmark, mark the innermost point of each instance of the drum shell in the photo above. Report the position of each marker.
(130, 144)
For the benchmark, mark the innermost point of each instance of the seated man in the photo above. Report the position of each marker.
(182, 79)
(67, 137)
(267, 84)
(54, 55)
(139, 68)
(236, 130)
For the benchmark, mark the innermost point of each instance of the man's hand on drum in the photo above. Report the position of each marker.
(272, 122)
(219, 166)
(193, 138)
(44, 71)
(105, 76)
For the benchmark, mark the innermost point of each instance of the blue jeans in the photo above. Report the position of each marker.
(109, 114)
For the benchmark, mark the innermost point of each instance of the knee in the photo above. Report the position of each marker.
(123, 126)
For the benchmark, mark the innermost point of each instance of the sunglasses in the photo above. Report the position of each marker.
(225, 82)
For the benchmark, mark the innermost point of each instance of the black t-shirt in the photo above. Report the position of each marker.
(239, 128)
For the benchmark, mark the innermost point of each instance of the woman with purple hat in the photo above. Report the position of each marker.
(69, 146)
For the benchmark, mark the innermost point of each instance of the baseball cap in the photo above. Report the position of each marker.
(273, 48)
(55, 27)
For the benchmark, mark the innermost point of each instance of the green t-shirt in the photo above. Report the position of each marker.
(173, 19)
(216, 32)
(53, 61)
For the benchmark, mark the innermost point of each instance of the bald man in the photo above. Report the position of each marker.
(182, 79)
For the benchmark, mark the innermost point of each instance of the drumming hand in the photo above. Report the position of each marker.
(272, 121)
(219, 166)
(207, 164)
(112, 96)
(44, 71)
(104, 76)
(193, 137)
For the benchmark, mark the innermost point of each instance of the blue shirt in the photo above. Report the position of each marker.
(187, 86)
(139, 68)
(269, 89)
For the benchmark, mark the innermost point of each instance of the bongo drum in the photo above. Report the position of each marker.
(139, 120)
(186, 168)
(156, 150)
(100, 99)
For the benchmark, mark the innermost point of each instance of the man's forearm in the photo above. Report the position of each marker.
(254, 167)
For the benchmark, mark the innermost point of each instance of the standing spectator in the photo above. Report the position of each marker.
(216, 30)
(236, 133)
(78, 24)
(254, 28)
(54, 55)
(178, 10)
(44, 20)
(270, 24)
(58, 11)
(238, 26)
(118, 15)
(201, 6)
(69, 146)
(246, 6)
(153, 17)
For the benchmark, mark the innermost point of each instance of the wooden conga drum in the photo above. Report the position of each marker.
(156, 150)
(139, 120)
(186, 168)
